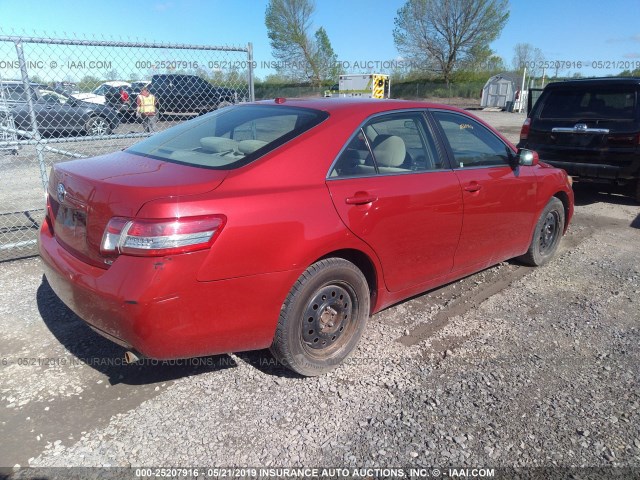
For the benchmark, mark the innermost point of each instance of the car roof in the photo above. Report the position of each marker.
(7, 83)
(599, 81)
(364, 106)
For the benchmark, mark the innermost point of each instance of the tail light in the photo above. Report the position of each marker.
(624, 140)
(49, 216)
(124, 96)
(524, 132)
(156, 237)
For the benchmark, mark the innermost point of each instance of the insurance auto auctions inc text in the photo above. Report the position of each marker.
(412, 473)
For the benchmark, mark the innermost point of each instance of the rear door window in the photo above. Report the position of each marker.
(584, 104)
(389, 144)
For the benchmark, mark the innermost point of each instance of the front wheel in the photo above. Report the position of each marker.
(547, 234)
(98, 126)
(322, 318)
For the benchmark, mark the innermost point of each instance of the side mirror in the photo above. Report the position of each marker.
(527, 158)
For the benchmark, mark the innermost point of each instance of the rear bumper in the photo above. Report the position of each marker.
(126, 109)
(157, 307)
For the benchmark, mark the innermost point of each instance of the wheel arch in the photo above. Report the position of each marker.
(564, 198)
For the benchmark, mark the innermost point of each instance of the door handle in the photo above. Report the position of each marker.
(360, 199)
(473, 187)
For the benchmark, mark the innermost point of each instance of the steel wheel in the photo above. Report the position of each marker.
(547, 234)
(329, 318)
(322, 318)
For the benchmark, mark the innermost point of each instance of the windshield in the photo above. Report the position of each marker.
(579, 104)
(230, 137)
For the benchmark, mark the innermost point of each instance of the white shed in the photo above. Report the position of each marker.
(499, 90)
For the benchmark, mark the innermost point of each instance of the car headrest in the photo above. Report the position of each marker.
(250, 146)
(389, 151)
(218, 144)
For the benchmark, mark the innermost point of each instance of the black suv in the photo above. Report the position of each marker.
(177, 93)
(590, 128)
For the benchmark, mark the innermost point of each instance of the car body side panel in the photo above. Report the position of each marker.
(413, 224)
(281, 218)
(265, 232)
(498, 216)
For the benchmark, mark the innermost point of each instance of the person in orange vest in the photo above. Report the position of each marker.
(146, 109)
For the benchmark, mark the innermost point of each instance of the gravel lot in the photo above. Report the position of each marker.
(511, 367)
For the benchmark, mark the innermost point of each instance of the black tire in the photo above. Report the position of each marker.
(322, 318)
(547, 234)
(98, 126)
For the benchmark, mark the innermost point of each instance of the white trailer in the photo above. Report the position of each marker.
(372, 85)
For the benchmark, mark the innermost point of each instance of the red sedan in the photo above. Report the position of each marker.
(286, 224)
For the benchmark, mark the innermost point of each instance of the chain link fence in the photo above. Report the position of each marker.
(62, 99)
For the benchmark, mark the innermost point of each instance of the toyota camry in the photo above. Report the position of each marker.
(287, 223)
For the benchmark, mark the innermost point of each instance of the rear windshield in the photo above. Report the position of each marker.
(578, 104)
(230, 137)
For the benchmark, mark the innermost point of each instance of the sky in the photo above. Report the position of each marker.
(589, 31)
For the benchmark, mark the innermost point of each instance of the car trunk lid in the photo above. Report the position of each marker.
(83, 195)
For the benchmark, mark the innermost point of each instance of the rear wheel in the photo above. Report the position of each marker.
(322, 318)
(547, 234)
(98, 126)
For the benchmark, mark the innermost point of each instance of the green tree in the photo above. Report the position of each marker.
(630, 73)
(36, 79)
(300, 57)
(495, 64)
(275, 78)
(326, 58)
(445, 35)
(88, 83)
(482, 59)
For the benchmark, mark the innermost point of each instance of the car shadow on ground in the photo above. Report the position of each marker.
(263, 361)
(588, 194)
(101, 354)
